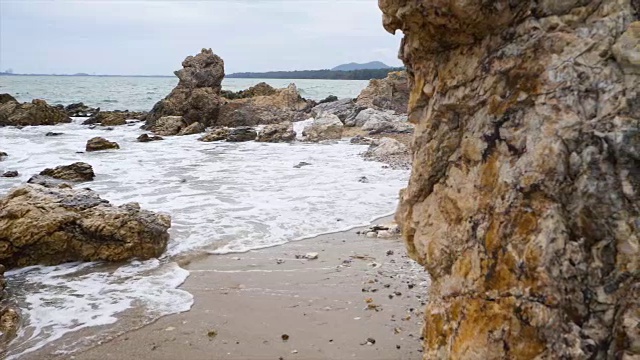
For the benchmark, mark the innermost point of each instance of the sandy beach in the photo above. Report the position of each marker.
(361, 298)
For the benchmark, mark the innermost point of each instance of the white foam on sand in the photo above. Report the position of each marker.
(222, 197)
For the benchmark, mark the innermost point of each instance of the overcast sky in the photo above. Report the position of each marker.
(153, 37)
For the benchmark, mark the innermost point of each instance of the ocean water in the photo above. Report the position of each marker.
(222, 197)
(141, 93)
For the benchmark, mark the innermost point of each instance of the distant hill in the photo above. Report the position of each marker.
(365, 74)
(365, 66)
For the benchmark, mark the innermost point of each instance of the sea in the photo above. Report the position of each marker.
(222, 197)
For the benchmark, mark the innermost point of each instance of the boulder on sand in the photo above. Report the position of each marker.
(50, 226)
(100, 143)
(196, 98)
(326, 127)
(37, 112)
(282, 132)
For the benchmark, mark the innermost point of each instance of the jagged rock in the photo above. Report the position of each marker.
(242, 134)
(524, 198)
(260, 89)
(215, 135)
(283, 105)
(326, 127)
(100, 143)
(37, 112)
(50, 226)
(390, 93)
(627, 49)
(282, 132)
(80, 110)
(10, 174)
(77, 171)
(147, 138)
(114, 118)
(194, 128)
(346, 110)
(196, 98)
(169, 125)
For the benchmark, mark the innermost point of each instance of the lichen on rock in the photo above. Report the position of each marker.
(524, 197)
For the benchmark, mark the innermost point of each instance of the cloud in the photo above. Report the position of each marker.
(152, 37)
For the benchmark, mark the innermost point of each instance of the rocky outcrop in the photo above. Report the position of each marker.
(283, 105)
(50, 226)
(242, 134)
(282, 132)
(390, 93)
(346, 110)
(37, 112)
(147, 138)
(76, 172)
(260, 89)
(524, 197)
(79, 110)
(169, 125)
(218, 134)
(325, 127)
(196, 98)
(114, 118)
(194, 128)
(100, 143)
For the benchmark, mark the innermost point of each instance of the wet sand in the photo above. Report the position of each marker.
(361, 299)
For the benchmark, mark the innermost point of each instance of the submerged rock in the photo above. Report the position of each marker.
(100, 143)
(215, 135)
(78, 171)
(282, 132)
(147, 138)
(37, 112)
(114, 118)
(391, 93)
(50, 226)
(326, 127)
(242, 134)
(524, 197)
(10, 174)
(80, 110)
(50, 133)
(3, 155)
(196, 98)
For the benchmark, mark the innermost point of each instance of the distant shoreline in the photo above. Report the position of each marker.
(88, 75)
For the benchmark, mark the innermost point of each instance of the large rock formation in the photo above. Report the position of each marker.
(390, 93)
(282, 105)
(37, 112)
(197, 96)
(49, 226)
(524, 198)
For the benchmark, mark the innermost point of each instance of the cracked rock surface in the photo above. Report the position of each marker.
(524, 197)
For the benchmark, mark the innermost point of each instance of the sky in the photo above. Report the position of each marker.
(153, 37)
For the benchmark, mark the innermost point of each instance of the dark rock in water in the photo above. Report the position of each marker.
(147, 138)
(99, 143)
(53, 134)
(242, 134)
(260, 89)
(50, 226)
(215, 135)
(328, 99)
(197, 96)
(37, 112)
(10, 174)
(114, 118)
(282, 132)
(50, 182)
(80, 110)
(3, 155)
(78, 171)
(301, 164)
(363, 179)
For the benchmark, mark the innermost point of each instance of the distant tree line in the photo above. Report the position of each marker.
(366, 74)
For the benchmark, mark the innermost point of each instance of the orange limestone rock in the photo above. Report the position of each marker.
(524, 197)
